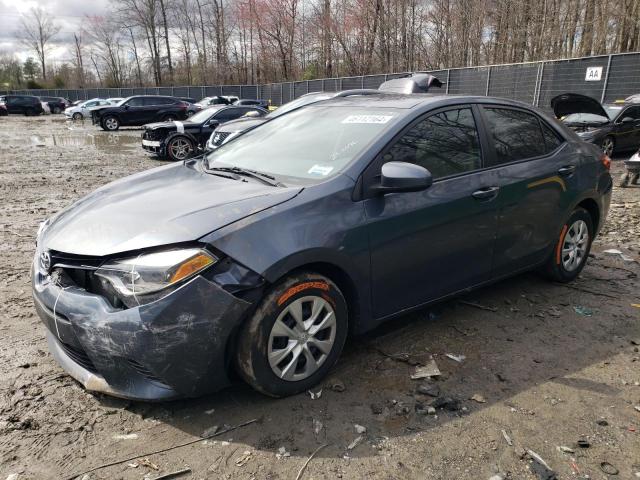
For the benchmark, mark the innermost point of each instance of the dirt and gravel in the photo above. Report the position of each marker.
(545, 366)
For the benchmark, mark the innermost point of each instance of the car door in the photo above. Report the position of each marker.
(134, 112)
(536, 173)
(13, 105)
(628, 129)
(428, 244)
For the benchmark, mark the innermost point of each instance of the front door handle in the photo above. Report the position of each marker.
(567, 170)
(487, 193)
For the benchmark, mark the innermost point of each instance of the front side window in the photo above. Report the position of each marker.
(445, 144)
(309, 145)
(631, 112)
(516, 135)
(136, 102)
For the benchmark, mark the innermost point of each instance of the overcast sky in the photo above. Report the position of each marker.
(69, 15)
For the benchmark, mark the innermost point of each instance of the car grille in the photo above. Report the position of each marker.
(150, 135)
(220, 137)
(79, 356)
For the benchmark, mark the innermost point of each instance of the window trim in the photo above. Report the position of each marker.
(618, 120)
(372, 170)
(487, 133)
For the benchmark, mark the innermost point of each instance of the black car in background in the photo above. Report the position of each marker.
(56, 104)
(138, 110)
(615, 127)
(256, 103)
(25, 104)
(179, 140)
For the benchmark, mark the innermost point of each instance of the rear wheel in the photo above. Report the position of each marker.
(624, 179)
(573, 247)
(608, 145)
(77, 116)
(110, 123)
(56, 110)
(179, 148)
(294, 337)
(30, 112)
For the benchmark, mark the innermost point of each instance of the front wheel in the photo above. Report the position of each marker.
(110, 123)
(179, 148)
(572, 249)
(624, 180)
(56, 110)
(294, 337)
(608, 144)
(77, 116)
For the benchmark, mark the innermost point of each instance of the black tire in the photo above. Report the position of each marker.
(179, 148)
(555, 267)
(110, 123)
(56, 110)
(29, 112)
(608, 145)
(624, 180)
(77, 116)
(254, 338)
(635, 178)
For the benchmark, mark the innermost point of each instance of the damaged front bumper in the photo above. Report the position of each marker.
(173, 347)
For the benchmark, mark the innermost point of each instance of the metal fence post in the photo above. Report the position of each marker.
(539, 84)
(606, 80)
(486, 92)
(448, 79)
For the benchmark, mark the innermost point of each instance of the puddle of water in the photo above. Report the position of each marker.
(102, 141)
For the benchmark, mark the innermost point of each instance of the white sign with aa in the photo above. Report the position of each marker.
(594, 74)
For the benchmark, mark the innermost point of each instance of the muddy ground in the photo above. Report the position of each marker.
(539, 367)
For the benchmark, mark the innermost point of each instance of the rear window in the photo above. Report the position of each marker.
(515, 134)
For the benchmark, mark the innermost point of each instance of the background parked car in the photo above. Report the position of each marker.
(615, 127)
(56, 104)
(46, 110)
(256, 103)
(3, 110)
(83, 110)
(139, 110)
(25, 104)
(180, 140)
(115, 100)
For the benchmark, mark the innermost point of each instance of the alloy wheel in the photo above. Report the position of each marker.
(111, 123)
(574, 246)
(607, 146)
(301, 338)
(180, 148)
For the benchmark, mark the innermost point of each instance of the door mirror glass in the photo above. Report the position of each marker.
(251, 114)
(627, 120)
(403, 177)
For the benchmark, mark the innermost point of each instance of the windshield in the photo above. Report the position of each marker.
(299, 102)
(202, 115)
(311, 143)
(121, 102)
(612, 110)
(585, 118)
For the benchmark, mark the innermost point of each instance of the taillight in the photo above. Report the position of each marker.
(183, 106)
(606, 161)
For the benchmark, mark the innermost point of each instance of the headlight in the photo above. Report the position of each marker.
(152, 272)
(41, 228)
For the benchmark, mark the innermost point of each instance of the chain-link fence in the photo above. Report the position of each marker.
(605, 78)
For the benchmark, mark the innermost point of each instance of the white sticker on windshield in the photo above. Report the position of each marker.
(320, 170)
(367, 119)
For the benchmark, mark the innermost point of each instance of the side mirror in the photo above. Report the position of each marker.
(627, 120)
(126, 107)
(213, 123)
(403, 177)
(251, 114)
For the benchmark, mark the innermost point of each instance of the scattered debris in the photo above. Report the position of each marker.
(145, 462)
(210, 431)
(456, 358)
(582, 443)
(426, 371)
(13, 476)
(616, 252)
(303, 468)
(602, 422)
(497, 477)
(540, 467)
(584, 311)
(360, 430)
(282, 453)
(126, 436)
(429, 389)
(133, 465)
(564, 449)
(355, 443)
(609, 469)
(637, 408)
(478, 398)
(336, 385)
(209, 412)
(376, 408)
(317, 426)
(175, 474)
(315, 395)
(243, 459)
(477, 305)
(507, 438)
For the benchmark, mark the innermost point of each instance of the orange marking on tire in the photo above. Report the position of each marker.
(299, 288)
(559, 247)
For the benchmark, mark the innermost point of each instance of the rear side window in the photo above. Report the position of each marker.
(445, 144)
(516, 135)
(230, 114)
(551, 138)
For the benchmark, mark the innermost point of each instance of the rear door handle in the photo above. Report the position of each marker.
(486, 193)
(567, 170)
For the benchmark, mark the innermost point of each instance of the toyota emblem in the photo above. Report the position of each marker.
(45, 261)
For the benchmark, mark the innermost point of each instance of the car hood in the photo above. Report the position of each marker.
(166, 205)
(569, 103)
(240, 124)
(170, 125)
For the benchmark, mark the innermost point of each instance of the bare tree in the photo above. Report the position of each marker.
(38, 28)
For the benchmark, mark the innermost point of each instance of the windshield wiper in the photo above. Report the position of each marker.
(264, 177)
